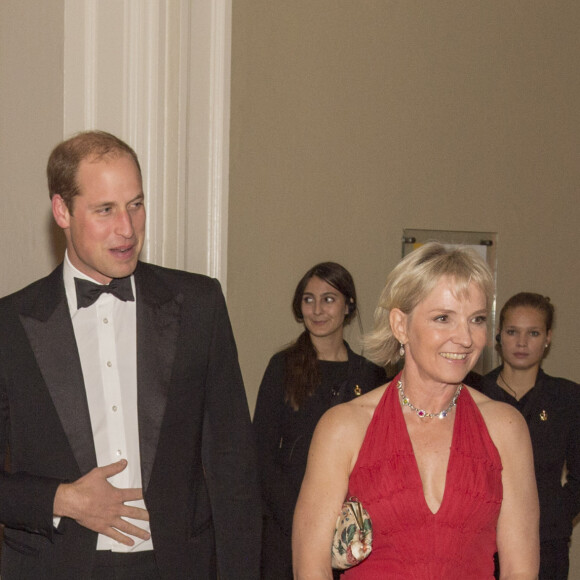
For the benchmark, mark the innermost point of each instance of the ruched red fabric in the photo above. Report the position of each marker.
(409, 541)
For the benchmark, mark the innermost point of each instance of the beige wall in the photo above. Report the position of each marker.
(353, 120)
(31, 102)
(350, 124)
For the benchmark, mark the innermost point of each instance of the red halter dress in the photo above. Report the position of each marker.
(409, 541)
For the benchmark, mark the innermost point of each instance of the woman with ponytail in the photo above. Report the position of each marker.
(318, 371)
(551, 408)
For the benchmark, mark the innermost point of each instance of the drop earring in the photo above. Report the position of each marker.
(402, 350)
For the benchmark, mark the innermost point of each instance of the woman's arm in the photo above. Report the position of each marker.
(333, 451)
(518, 540)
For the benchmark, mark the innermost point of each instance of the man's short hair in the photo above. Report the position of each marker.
(63, 163)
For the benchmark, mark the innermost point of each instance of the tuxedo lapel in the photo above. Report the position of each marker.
(46, 320)
(158, 319)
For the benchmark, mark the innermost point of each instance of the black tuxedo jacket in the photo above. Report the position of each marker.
(197, 455)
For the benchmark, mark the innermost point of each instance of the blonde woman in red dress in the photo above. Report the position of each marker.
(445, 473)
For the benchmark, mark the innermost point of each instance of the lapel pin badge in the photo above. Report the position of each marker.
(543, 416)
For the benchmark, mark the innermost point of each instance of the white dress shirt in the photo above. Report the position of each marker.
(106, 337)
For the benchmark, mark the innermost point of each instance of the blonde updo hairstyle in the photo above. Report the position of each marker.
(412, 280)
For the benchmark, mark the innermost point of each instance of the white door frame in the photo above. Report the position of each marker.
(157, 74)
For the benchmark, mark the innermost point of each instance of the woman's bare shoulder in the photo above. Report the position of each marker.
(502, 420)
(361, 408)
(349, 421)
(490, 406)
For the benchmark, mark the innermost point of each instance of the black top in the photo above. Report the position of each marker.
(284, 435)
(552, 411)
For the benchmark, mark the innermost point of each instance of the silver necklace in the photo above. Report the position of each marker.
(421, 412)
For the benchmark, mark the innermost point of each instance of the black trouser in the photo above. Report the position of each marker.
(120, 566)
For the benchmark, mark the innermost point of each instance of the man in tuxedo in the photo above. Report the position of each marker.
(121, 401)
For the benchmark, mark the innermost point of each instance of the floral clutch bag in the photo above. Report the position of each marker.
(353, 536)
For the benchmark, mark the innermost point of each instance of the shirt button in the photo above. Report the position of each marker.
(105, 321)
(114, 407)
(118, 454)
(109, 363)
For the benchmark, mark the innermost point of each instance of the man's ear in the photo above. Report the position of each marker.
(60, 212)
(398, 321)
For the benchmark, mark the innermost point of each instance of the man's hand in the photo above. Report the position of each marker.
(96, 504)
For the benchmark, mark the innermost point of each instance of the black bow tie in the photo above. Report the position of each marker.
(88, 292)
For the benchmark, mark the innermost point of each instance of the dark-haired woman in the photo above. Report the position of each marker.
(551, 407)
(301, 382)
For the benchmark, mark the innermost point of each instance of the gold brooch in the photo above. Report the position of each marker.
(357, 391)
(543, 416)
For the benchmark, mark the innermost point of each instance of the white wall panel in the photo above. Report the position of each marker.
(156, 73)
